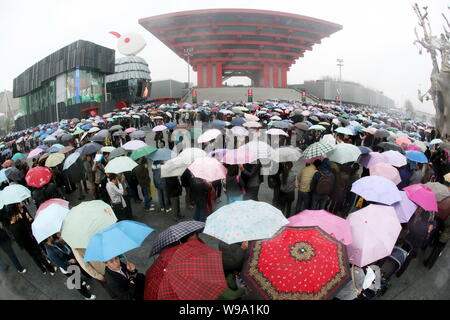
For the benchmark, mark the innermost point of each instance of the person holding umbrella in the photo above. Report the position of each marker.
(115, 191)
(322, 185)
(5, 245)
(234, 186)
(143, 178)
(124, 280)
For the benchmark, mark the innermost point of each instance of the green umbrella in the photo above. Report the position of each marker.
(78, 131)
(120, 164)
(142, 152)
(345, 116)
(85, 220)
(17, 156)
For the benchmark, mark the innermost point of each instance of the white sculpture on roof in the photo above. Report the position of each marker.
(129, 44)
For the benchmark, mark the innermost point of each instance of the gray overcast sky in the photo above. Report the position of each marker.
(375, 42)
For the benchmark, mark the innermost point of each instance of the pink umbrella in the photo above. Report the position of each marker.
(209, 135)
(413, 147)
(372, 158)
(134, 145)
(159, 128)
(34, 152)
(395, 158)
(422, 196)
(239, 156)
(337, 227)
(402, 140)
(208, 168)
(375, 230)
(405, 208)
(218, 154)
(130, 130)
(386, 170)
(60, 202)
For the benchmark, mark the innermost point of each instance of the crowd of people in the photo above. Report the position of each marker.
(294, 147)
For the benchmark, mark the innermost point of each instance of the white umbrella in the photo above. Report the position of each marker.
(276, 132)
(261, 149)
(120, 164)
(93, 129)
(251, 117)
(329, 139)
(209, 135)
(286, 154)
(175, 167)
(190, 154)
(252, 124)
(239, 131)
(48, 222)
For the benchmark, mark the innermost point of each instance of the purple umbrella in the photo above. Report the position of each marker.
(405, 208)
(377, 189)
(368, 160)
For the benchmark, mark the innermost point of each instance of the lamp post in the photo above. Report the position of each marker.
(188, 54)
(340, 64)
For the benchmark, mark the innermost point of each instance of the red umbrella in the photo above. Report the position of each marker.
(38, 176)
(189, 271)
(297, 264)
(7, 163)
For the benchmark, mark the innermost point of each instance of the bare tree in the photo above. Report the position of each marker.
(438, 48)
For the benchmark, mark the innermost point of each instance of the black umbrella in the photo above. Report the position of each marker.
(14, 174)
(100, 136)
(89, 148)
(119, 134)
(117, 153)
(386, 146)
(382, 133)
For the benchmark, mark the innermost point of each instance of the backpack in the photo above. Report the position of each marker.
(325, 184)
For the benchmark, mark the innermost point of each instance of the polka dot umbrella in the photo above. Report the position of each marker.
(303, 263)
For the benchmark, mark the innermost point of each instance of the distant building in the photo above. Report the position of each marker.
(351, 92)
(66, 84)
(168, 90)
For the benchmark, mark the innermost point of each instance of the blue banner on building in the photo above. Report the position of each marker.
(77, 85)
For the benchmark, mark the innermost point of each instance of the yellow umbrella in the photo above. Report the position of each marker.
(447, 177)
(54, 159)
(324, 123)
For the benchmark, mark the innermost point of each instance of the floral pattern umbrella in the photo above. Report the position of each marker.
(297, 264)
(38, 176)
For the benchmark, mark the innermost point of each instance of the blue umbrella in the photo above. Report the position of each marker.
(43, 147)
(5, 152)
(308, 123)
(416, 156)
(115, 240)
(364, 150)
(172, 125)
(162, 155)
(86, 127)
(217, 124)
(3, 175)
(238, 121)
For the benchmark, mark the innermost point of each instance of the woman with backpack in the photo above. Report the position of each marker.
(234, 186)
(321, 186)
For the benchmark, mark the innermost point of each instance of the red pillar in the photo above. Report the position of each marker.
(218, 75)
(209, 82)
(266, 76)
(284, 77)
(275, 75)
(200, 76)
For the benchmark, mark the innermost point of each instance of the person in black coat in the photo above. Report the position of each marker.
(200, 189)
(123, 280)
(5, 245)
(174, 191)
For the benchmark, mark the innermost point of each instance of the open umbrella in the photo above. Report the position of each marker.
(387, 146)
(38, 176)
(244, 221)
(115, 240)
(329, 139)
(375, 230)
(142, 152)
(286, 154)
(377, 189)
(436, 141)
(372, 158)
(66, 149)
(175, 167)
(158, 128)
(17, 156)
(344, 153)
(134, 145)
(54, 159)
(70, 160)
(422, 196)
(386, 170)
(14, 193)
(163, 154)
(48, 203)
(440, 191)
(189, 271)
(209, 135)
(344, 131)
(116, 127)
(252, 124)
(48, 222)
(297, 264)
(120, 164)
(35, 152)
(239, 156)
(117, 153)
(395, 158)
(335, 226)
(402, 140)
(260, 148)
(190, 154)
(138, 134)
(14, 174)
(382, 133)
(3, 177)
(239, 131)
(90, 148)
(107, 149)
(174, 233)
(130, 130)
(416, 156)
(208, 168)
(405, 208)
(316, 149)
(276, 132)
(238, 121)
(85, 220)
